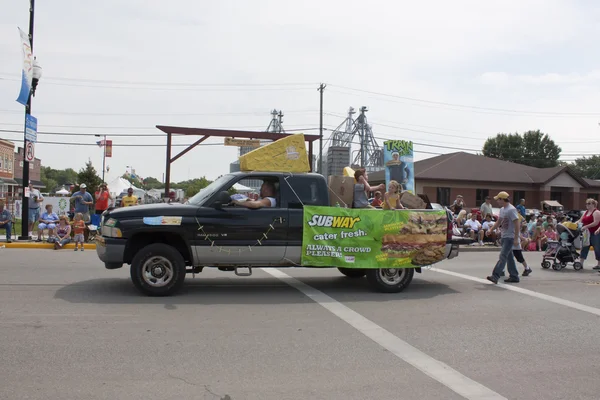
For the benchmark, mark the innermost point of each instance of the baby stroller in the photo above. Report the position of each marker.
(564, 251)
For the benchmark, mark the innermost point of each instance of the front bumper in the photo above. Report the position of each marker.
(110, 250)
(451, 250)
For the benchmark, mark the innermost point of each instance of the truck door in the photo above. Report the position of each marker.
(238, 235)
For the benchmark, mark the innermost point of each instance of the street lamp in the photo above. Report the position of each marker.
(36, 75)
(103, 155)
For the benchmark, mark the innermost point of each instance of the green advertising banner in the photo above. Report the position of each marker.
(371, 238)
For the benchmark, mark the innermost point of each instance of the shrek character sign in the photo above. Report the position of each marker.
(399, 165)
(359, 238)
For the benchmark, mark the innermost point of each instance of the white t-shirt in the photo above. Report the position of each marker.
(488, 225)
(474, 225)
(272, 200)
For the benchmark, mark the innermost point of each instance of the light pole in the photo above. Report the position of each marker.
(36, 75)
(103, 156)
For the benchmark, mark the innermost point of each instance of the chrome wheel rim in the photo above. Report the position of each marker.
(391, 276)
(157, 271)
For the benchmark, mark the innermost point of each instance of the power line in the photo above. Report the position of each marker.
(112, 134)
(470, 106)
(227, 114)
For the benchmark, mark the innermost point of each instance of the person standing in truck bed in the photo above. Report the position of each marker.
(362, 187)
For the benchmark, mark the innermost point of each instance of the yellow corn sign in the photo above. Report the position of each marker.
(242, 142)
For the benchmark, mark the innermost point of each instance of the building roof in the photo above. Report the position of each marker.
(462, 166)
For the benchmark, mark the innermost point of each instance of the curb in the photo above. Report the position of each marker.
(32, 245)
(477, 249)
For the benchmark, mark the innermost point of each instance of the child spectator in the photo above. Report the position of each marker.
(391, 198)
(539, 238)
(63, 232)
(525, 238)
(78, 230)
(551, 233)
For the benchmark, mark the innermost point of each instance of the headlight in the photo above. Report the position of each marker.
(109, 228)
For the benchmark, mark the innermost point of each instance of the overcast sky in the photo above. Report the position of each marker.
(121, 67)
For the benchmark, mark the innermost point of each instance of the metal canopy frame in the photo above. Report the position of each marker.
(207, 133)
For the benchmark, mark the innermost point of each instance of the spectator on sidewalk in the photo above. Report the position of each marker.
(486, 227)
(103, 198)
(83, 201)
(521, 208)
(486, 208)
(35, 201)
(129, 200)
(63, 232)
(48, 220)
(5, 221)
(473, 229)
(458, 205)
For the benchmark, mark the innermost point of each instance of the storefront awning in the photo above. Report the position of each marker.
(8, 181)
(552, 203)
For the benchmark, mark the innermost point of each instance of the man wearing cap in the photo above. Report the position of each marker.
(35, 200)
(83, 201)
(509, 224)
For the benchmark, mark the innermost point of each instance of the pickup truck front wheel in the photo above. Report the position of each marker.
(390, 280)
(158, 270)
(353, 272)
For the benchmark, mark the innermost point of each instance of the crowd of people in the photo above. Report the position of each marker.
(61, 229)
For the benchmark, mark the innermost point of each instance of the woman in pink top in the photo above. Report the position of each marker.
(551, 233)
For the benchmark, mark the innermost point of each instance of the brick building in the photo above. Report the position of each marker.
(7, 181)
(35, 170)
(474, 177)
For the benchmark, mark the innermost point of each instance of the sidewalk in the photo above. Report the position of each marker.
(32, 244)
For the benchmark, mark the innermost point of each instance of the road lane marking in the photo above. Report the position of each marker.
(435, 369)
(552, 299)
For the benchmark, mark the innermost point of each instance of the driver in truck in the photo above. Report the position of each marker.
(267, 197)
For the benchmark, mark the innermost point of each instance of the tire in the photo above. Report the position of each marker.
(546, 265)
(556, 266)
(353, 272)
(390, 280)
(158, 270)
(577, 266)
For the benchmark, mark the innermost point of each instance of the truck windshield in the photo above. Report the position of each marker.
(199, 198)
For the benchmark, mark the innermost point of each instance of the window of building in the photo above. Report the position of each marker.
(21, 164)
(443, 196)
(518, 195)
(30, 165)
(556, 196)
(10, 164)
(480, 195)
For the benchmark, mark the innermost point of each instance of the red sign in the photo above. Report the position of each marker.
(108, 148)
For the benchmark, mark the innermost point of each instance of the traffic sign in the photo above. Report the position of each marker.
(30, 128)
(30, 151)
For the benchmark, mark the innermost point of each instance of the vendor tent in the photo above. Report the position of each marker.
(118, 185)
(63, 192)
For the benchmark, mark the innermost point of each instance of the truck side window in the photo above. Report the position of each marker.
(307, 192)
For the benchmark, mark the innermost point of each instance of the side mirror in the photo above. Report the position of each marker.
(223, 199)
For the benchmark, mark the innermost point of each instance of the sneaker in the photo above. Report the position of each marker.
(8, 241)
(75, 249)
(38, 240)
(527, 272)
(511, 280)
(597, 267)
(82, 249)
(492, 279)
(481, 243)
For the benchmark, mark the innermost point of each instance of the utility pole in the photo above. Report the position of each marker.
(321, 90)
(25, 199)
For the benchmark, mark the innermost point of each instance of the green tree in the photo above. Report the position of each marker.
(53, 178)
(533, 148)
(89, 176)
(192, 186)
(153, 183)
(587, 167)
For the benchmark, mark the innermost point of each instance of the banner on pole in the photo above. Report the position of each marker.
(27, 71)
(363, 238)
(399, 164)
(108, 149)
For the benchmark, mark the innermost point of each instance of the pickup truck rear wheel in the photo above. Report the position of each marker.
(353, 272)
(390, 280)
(158, 270)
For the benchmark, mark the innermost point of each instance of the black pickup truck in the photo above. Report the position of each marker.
(163, 242)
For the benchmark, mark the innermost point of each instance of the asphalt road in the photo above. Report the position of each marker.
(72, 330)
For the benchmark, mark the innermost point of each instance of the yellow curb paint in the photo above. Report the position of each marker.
(29, 245)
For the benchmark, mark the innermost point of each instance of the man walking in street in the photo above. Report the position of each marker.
(509, 225)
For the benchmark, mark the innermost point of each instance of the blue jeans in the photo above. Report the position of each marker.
(595, 242)
(506, 257)
(8, 228)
